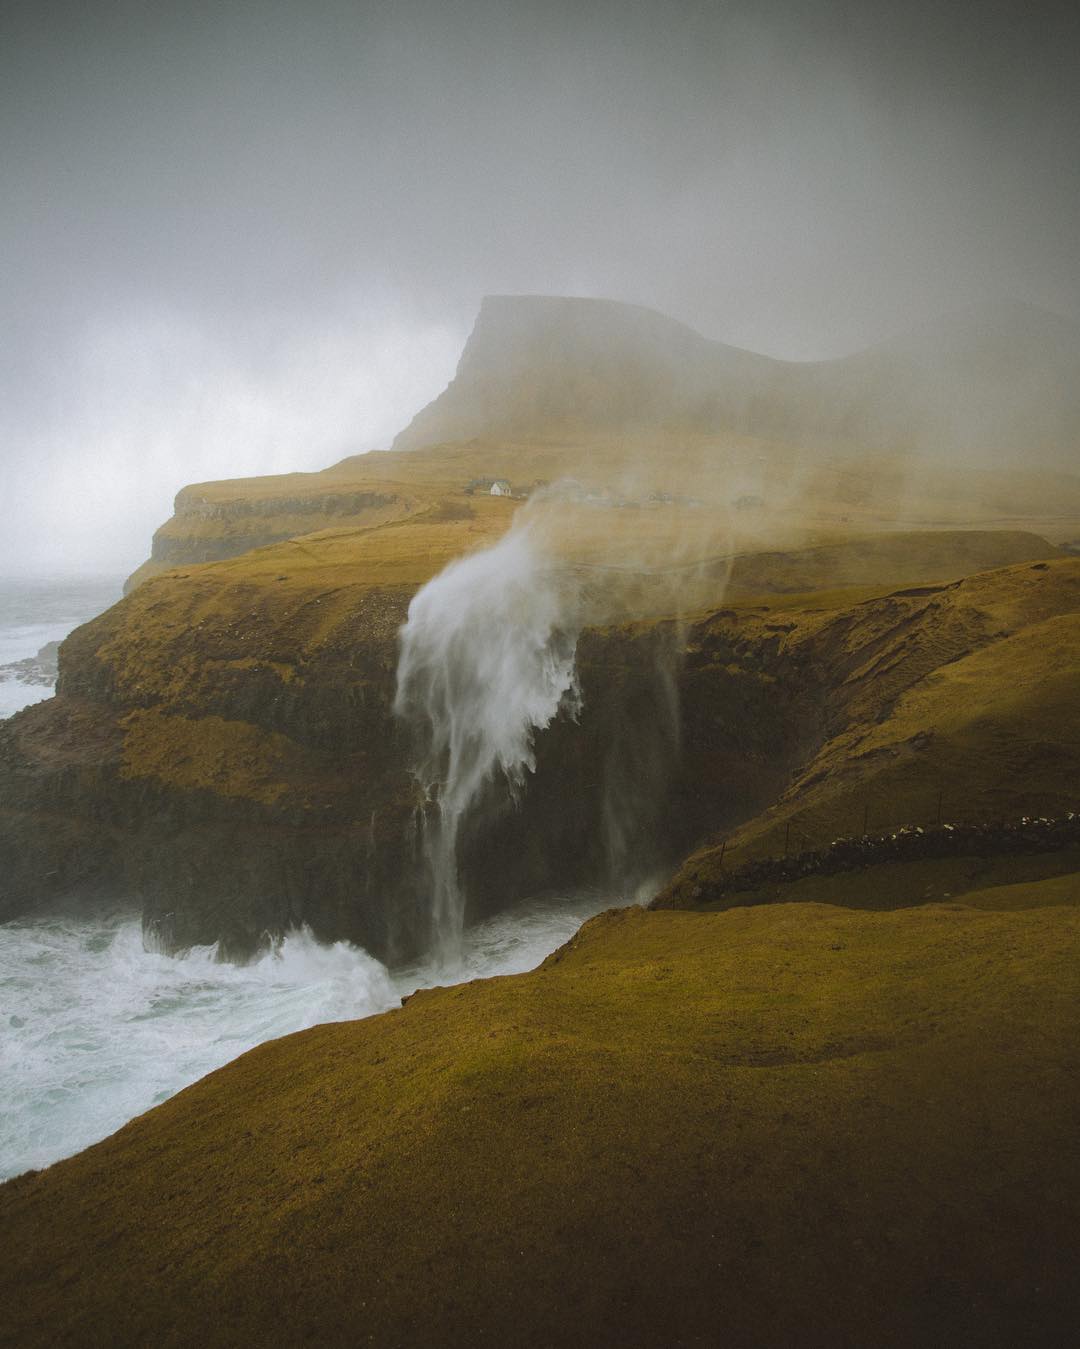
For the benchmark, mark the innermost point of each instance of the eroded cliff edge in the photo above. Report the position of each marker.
(222, 748)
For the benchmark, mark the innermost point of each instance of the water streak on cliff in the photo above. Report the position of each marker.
(487, 659)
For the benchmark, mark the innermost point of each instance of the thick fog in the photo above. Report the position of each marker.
(241, 239)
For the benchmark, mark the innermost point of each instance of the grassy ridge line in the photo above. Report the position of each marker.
(795, 1125)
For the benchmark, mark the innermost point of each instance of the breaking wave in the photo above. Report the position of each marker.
(94, 1029)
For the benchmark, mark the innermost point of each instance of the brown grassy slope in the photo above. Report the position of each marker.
(967, 691)
(756, 493)
(279, 605)
(897, 558)
(275, 617)
(794, 1125)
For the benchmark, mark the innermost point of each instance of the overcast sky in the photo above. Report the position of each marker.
(250, 237)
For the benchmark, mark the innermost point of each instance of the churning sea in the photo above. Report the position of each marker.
(95, 1029)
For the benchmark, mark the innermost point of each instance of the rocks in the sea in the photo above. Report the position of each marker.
(39, 669)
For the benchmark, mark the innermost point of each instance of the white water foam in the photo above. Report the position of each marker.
(95, 1030)
(487, 659)
(15, 695)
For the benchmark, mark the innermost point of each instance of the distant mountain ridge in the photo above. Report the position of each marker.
(999, 380)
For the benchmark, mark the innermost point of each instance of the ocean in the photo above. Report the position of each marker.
(37, 611)
(95, 1029)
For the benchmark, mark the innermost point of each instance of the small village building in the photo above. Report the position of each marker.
(500, 488)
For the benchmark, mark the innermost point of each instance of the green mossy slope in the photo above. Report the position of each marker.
(783, 1126)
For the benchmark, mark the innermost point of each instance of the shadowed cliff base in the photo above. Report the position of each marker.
(791, 1125)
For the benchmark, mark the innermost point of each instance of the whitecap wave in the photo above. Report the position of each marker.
(95, 1029)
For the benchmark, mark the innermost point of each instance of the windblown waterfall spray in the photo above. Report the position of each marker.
(487, 659)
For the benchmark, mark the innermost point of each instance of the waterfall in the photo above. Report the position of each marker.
(486, 660)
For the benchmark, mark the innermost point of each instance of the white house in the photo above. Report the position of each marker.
(500, 488)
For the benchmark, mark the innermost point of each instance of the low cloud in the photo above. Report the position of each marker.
(151, 404)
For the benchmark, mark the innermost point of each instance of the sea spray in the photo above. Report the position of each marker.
(95, 1029)
(487, 659)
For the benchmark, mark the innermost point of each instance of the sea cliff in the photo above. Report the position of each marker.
(775, 638)
(223, 750)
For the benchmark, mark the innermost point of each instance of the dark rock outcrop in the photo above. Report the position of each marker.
(915, 843)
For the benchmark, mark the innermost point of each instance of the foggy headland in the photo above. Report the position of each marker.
(539, 648)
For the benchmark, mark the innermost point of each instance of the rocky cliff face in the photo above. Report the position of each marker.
(206, 528)
(241, 777)
(218, 520)
(222, 747)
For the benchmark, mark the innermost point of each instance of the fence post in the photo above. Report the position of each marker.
(865, 816)
(787, 836)
(940, 796)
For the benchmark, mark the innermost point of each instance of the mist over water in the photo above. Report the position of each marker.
(487, 660)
